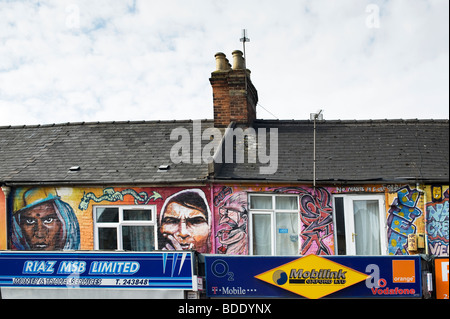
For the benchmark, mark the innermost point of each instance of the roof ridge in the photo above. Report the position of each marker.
(356, 121)
(100, 123)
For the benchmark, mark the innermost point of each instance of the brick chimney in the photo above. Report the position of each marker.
(234, 95)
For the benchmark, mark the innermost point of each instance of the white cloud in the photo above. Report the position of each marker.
(69, 61)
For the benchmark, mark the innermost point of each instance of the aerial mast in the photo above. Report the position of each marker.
(243, 40)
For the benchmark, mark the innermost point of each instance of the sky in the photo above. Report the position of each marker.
(88, 61)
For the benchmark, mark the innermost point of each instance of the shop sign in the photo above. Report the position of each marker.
(313, 276)
(99, 270)
(441, 275)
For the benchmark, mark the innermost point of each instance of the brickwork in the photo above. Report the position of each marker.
(232, 102)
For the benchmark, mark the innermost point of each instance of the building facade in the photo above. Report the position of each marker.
(234, 185)
(235, 219)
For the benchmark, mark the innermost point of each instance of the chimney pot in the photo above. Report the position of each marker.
(238, 60)
(221, 62)
(234, 95)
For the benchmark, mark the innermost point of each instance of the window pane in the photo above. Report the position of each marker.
(340, 225)
(134, 214)
(367, 227)
(138, 238)
(107, 214)
(261, 202)
(287, 233)
(286, 202)
(262, 239)
(107, 238)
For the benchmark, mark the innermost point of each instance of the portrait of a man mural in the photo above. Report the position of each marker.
(185, 222)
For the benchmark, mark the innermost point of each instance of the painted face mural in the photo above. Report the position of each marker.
(42, 221)
(233, 218)
(185, 222)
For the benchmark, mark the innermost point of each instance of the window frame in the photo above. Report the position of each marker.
(273, 220)
(121, 222)
(349, 222)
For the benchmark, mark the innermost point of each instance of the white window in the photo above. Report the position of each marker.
(125, 228)
(274, 224)
(359, 223)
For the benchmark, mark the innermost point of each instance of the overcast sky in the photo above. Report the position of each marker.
(72, 61)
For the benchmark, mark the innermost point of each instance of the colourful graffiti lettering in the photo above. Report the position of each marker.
(317, 218)
(437, 224)
(316, 215)
(400, 221)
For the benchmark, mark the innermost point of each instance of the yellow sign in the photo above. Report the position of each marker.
(312, 276)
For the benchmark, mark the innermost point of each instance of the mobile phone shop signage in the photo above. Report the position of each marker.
(441, 277)
(97, 270)
(313, 276)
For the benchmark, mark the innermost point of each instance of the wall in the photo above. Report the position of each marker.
(224, 228)
(437, 219)
(226, 235)
(404, 217)
(418, 211)
(72, 225)
(316, 222)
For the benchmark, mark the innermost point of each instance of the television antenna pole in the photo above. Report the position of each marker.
(243, 40)
(314, 117)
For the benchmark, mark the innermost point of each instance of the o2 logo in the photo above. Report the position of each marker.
(221, 269)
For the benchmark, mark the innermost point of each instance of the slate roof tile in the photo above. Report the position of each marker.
(355, 151)
(122, 152)
(131, 152)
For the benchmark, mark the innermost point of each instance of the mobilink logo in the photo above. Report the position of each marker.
(312, 276)
(233, 142)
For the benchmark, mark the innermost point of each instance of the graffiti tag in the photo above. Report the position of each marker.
(401, 216)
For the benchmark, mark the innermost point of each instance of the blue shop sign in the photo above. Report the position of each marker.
(313, 276)
(152, 270)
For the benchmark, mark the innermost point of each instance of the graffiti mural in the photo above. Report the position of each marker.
(42, 221)
(402, 215)
(316, 215)
(315, 219)
(184, 222)
(65, 218)
(110, 195)
(214, 219)
(232, 222)
(437, 222)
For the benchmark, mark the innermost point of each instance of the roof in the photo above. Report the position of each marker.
(394, 151)
(131, 152)
(106, 152)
